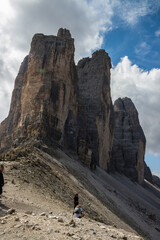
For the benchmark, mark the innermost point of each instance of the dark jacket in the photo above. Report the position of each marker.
(76, 201)
(1, 180)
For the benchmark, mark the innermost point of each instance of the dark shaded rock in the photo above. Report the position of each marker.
(156, 180)
(70, 133)
(152, 217)
(95, 110)
(129, 141)
(147, 173)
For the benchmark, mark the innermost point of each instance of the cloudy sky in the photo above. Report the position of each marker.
(128, 30)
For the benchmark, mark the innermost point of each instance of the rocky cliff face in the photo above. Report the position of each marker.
(47, 105)
(95, 109)
(129, 141)
(70, 107)
(44, 97)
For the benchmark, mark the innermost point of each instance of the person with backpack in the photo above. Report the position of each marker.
(78, 212)
(1, 178)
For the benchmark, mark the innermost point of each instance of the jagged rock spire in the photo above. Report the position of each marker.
(70, 107)
(44, 96)
(128, 141)
(63, 32)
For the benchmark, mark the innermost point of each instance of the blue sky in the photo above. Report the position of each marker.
(129, 30)
(140, 42)
(153, 162)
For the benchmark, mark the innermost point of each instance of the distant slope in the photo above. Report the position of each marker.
(111, 199)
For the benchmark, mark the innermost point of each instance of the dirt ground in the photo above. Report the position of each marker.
(37, 202)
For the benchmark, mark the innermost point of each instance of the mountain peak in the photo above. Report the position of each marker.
(63, 32)
(70, 107)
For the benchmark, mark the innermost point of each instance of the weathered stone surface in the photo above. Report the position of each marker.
(71, 108)
(129, 141)
(45, 105)
(95, 109)
(63, 33)
(44, 97)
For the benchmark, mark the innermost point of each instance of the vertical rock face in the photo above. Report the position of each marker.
(9, 130)
(44, 97)
(129, 141)
(71, 107)
(95, 109)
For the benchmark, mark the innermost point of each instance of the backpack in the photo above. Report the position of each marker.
(77, 210)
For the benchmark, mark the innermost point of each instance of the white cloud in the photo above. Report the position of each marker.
(143, 87)
(157, 33)
(131, 11)
(6, 87)
(128, 11)
(6, 12)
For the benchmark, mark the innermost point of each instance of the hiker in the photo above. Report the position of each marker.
(78, 212)
(76, 201)
(1, 178)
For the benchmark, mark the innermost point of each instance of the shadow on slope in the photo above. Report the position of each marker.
(112, 199)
